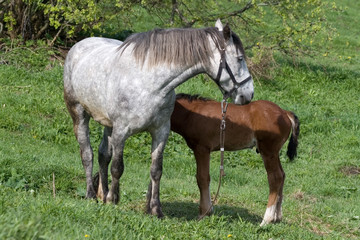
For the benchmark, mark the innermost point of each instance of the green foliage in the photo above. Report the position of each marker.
(73, 15)
(34, 19)
(288, 26)
(293, 28)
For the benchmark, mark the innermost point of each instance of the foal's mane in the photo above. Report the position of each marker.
(191, 98)
(185, 46)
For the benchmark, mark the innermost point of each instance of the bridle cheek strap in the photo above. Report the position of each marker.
(224, 64)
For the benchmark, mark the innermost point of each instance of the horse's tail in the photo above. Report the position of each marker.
(293, 143)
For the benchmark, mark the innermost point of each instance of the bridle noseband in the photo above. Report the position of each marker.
(225, 65)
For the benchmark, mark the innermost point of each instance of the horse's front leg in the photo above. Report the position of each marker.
(159, 139)
(276, 178)
(202, 156)
(117, 165)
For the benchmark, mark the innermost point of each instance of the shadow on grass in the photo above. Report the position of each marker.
(189, 211)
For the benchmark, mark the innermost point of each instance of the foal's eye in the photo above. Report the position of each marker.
(240, 59)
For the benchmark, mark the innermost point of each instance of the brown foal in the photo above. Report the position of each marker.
(261, 124)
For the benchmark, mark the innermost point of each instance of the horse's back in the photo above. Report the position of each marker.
(90, 49)
(87, 45)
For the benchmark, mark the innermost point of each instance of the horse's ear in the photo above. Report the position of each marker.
(219, 25)
(227, 32)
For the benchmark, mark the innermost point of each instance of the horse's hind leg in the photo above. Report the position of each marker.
(81, 128)
(276, 177)
(117, 166)
(278, 210)
(105, 154)
(202, 156)
(159, 139)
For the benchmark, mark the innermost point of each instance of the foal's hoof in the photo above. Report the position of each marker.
(263, 223)
(206, 213)
(266, 222)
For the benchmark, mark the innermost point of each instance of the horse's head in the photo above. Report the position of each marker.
(232, 75)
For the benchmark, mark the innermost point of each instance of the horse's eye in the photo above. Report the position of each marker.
(240, 59)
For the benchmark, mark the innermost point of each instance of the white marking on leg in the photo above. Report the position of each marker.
(269, 215)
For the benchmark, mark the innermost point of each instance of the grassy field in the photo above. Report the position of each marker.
(322, 187)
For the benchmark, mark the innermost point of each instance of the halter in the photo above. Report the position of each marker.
(224, 64)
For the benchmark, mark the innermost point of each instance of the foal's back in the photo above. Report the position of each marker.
(259, 122)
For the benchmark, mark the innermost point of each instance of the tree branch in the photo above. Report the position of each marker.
(56, 36)
(239, 12)
(181, 16)
(42, 30)
(268, 3)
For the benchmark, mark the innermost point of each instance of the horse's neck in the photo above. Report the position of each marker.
(181, 75)
(167, 77)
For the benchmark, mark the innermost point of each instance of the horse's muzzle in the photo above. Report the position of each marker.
(243, 99)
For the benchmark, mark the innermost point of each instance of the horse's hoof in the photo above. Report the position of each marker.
(160, 215)
(114, 199)
(155, 211)
(90, 195)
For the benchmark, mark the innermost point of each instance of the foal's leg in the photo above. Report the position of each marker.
(202, 156)
(159, 139)
(105, 153)
(278, 210)
(276, 177)
(117, 166)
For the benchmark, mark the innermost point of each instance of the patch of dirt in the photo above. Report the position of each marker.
(298, 195)
(350, 170)
(302, 196)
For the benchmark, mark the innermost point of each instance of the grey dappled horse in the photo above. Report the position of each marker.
(129, 88)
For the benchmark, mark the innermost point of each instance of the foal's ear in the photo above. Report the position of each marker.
(227, 32)
(219, 25)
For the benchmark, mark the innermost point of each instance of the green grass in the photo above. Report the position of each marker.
(321, 193)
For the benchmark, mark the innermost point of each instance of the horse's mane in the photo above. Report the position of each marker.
(186, 46)
(191, 98)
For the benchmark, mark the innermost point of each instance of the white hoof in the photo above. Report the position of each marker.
(270, 215)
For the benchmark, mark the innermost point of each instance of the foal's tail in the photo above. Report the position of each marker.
(293, 143)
